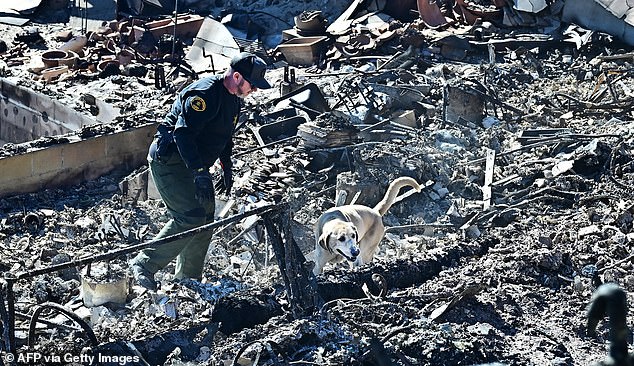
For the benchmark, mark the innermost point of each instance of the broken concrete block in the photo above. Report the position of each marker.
(461, 104)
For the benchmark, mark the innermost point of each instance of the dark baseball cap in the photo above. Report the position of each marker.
(252, 68)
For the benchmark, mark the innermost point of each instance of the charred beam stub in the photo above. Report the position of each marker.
(400, 274)
(300, 283)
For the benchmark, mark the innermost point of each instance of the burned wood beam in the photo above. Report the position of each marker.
(398, 274)
(301, 285)
(242, 310)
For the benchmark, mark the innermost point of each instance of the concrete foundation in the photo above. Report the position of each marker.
(26, 115)
(75, 161)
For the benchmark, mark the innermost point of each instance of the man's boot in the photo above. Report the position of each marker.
(143, 277)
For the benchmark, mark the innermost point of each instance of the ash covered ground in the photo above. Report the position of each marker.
(464, 285)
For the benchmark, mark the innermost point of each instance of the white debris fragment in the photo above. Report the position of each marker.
(489, 121)
(85, 222)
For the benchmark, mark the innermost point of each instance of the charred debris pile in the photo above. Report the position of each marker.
(522, 141)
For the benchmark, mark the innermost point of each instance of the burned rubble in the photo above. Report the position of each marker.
(515, 119)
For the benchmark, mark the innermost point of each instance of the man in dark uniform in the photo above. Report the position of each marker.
(196, 132)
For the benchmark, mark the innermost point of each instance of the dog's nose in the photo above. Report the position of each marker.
(354, 251)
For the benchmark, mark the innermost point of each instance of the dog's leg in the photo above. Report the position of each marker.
(318, 268)
(318, 253)
(371, 242)
(321, 258)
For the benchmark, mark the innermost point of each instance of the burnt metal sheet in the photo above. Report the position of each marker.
(594, 15)
(22, 6)
(213, 47)
(16, 12)
(12, 18)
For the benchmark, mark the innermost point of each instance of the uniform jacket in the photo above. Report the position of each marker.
(199, 125)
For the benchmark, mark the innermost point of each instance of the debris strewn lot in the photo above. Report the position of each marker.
(518, 126)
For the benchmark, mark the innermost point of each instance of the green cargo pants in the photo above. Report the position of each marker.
(175, 183)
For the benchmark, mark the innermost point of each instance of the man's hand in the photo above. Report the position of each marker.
(204, 186)
(225, 184)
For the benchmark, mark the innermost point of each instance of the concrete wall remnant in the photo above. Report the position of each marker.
(76, 161)
(26, 115)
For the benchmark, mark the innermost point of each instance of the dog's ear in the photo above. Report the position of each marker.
(324, 239)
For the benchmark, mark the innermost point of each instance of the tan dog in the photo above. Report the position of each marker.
(353, 232)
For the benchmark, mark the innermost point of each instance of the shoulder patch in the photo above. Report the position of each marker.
(198, 104)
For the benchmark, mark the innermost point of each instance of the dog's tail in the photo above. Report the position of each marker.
(392, 192)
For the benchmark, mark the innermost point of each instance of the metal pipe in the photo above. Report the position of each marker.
(4, 316)
(174, 33)
(10, 311)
